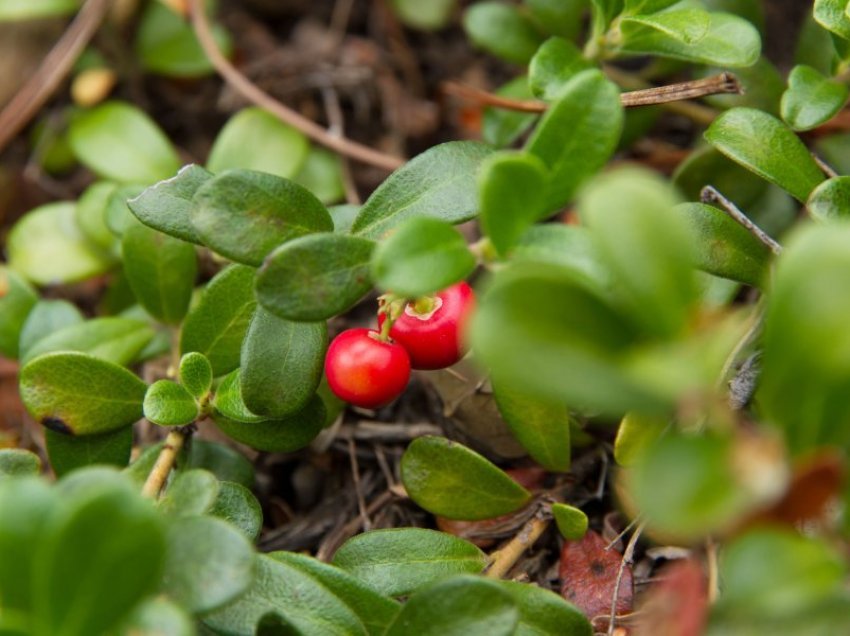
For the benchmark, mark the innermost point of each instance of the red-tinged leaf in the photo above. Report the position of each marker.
(589, 575)
(678, 604)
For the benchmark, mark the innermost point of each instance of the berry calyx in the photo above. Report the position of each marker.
(365, 370)
(431, 328)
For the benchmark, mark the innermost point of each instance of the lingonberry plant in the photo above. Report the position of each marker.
(693, 328)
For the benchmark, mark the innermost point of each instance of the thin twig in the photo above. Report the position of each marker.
(338, 537)
(256, 95)
(358, 489)
(709, 194)
(337, 127)
(165, 462)
(722, 83)
(502, 560)
(628, 558)
(55, 67)
(713, 574)
(827, 169)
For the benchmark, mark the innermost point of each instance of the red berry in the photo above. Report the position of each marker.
(433, 339)
(364, 370)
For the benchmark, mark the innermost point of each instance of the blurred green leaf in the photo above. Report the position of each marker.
(14, 10)
(217, 324)
(829, 201)
(224, 462)
(244, 214)
(578, 134)
(814, 46)
(464, 604)
(553, 66)
(17, 462)
(343, 217)
(708, 166)
(236, 505)
(254, 139)
(118, 216)
(422, 256)
(80, 394)
(118, 141)
(635, 435)
(558, 17)
(169, 404)
(190, 493)
(426, 16)
(321, 174)
(166, 206)
(161, 270)
(69, 452)
(450, 480)
(440, 183)
(811, 98)
(831, 15)
(17, 300)
(399, 561)
(502, 30)
(544, 613)
(208, 563)
(46, 318)
(158, 617)
(686, 26)
(281, 364)
(541, 426)
(501, 127)
(195, 374)
(90, 215)
(632, 7)
(763, 144)
(315, 277)
(512, 188)
(566, 246)
(46, 247)
(116, 340)
(571, 521)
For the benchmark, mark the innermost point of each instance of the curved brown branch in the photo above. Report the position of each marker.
(55, 67)
(256, 95)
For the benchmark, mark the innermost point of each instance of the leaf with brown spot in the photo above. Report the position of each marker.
(589, 574)
(678, 604)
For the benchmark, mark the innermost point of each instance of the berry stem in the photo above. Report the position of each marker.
(391, 307)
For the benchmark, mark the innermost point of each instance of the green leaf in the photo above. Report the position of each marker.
(79, 394)
(17, 300)
(161, 271)
(513, 196)
(602, 15)
(440, 183)
(544, 613)
(254, 139)
(635, 435)
(236, 505)
(166, 44)
(166, 206)
(632, 7)
(116, 340)
(343, 217)
(32, 501)
(195, 374)
(46, 247)
(502, 30)
(811, 98)
(686, 485)
(104, 536)
(229, 403)
(541, 426)
(830, 201)
(450, 480)
(118, 141)
(560, 17)
(501, 127)
(244, 215)
(566, 246)
(208, 563)
(282, 364)
(553, 66)
(831, 15)
(315, 277)
(687, 26)
(399, 561)
(216, 325)
(422, 256)
(763, 144)
(47, 317)
(169, 404)
(118, 216)
(321, 174)
(90, 215)
(69, 452)
(805, 373)
(426, 16)
(728, 41)
(14, 10)
(224, 462)
(191, 493)
(578, 134)
(571, 521)
(373, 609)
(464, 604)
(708, 166)
(157, 617)
(304, 602)
(15, 462)
(724, 247)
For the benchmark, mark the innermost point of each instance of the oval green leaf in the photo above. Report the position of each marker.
(17, 300)
(399, 561)
(116, 340)
(244, 214)
(195, 374)
(315, 277)
(811, 98)
(118, 141)
(224, 462)
(553, 66)
(503, 30)
(79, 394)
(571, 521)
(422, 256)
(16, 462)
(69, 452)
(544, 613)
(448, 479)
(830, 201)
(635, 435)
(158, 616)
(501, 127)
(90, 214)
(237, 506)
(831, 14)
(46, 318)
(190, 493)
(321, 174)
(169, 404)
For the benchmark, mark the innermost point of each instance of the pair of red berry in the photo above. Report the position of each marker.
(368, 369)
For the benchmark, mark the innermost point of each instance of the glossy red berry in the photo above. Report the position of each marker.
(433, 336)
(366, 371)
